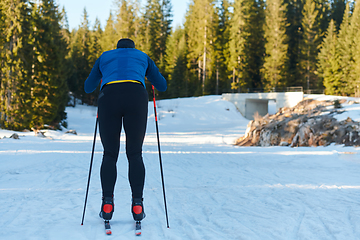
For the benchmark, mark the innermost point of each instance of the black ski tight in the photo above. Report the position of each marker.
(123, 104)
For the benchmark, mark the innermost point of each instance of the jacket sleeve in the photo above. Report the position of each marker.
(155, 77)
(94, 78)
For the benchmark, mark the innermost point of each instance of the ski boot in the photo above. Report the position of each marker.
(107, 208)
(137, 209)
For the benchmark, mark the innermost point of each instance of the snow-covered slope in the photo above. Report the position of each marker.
(214, 190)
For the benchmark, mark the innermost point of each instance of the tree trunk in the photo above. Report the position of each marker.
(217, 78)
(233, 80)
(204, 62)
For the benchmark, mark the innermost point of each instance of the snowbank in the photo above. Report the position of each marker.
(214, 189)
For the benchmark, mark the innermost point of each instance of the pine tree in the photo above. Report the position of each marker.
(222, 48)
(15, 72)
(24, 87)
(95, 52)
(239, 34)
(355, 31)
(125, 19)
(50, 88)
(294, 34)
(157, 19)
(80, 57)
(67, 36)
(337, 12)
(64, 24)
(324, 17)
(143, 41)
(256, 46)
(109, 37)
(166, 20)
(328, 65)
(2, 26)
(176, 64)
(138, 34)
(156, 29)
(274, 69)
(309, 45)
(345, 49)
(357, 65)
(200, 35)
(95, 47)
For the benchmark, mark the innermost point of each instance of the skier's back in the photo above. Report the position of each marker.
(123, 100)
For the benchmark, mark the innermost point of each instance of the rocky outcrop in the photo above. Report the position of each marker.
(72, 131)
(309, 123)
(15, 136)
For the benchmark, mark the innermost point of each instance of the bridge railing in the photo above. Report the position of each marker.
(278, 89)
(262, 90)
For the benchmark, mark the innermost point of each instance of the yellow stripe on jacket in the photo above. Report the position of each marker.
(122, 81)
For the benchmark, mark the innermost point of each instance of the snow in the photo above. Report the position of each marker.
(214, 190)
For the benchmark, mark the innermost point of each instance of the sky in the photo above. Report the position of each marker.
(101, 9)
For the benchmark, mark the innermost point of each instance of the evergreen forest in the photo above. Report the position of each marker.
(223, 46)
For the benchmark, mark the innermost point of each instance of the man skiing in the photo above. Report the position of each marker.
(123, 101)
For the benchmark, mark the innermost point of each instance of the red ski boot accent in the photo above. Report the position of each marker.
(107, 208)
(137, 209)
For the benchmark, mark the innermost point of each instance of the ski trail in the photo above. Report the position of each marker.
(299, 223)
(214, 190)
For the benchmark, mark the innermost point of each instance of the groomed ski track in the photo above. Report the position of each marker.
(214, 190)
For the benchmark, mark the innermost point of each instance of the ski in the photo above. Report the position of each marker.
(138, 228)
(107, 227)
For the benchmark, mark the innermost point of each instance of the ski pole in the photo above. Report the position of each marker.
(161, 168)
(91, 162)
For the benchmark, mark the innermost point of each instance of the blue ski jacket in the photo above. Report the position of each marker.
(124, 64)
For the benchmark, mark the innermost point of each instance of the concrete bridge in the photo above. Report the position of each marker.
(250, 103)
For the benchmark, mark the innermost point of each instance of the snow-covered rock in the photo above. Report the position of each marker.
(310, 123)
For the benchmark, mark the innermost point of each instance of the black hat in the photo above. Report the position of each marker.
(125, 43)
